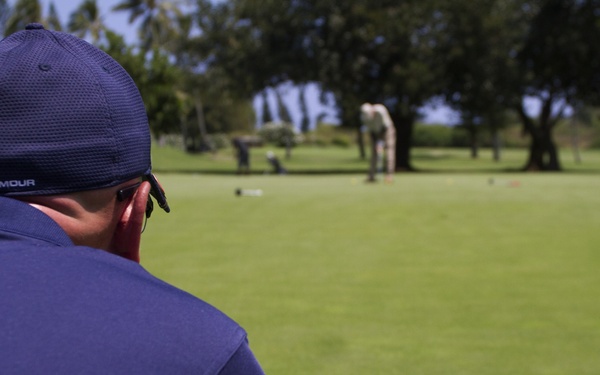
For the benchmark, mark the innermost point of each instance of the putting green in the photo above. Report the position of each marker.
(439, 273)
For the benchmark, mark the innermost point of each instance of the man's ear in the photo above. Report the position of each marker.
(127, 235)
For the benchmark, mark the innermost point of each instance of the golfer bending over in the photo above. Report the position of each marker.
(75, 176)
(377, 120)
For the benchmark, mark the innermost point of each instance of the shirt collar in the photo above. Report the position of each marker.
(21, 220)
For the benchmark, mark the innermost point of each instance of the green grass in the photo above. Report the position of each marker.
(335, 160)
(437, 273)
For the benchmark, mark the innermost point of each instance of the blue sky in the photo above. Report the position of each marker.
(117, 21)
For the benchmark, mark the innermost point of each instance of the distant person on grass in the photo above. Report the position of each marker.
(75, 179)
(275, 163)
(377, 120)
(243, 155)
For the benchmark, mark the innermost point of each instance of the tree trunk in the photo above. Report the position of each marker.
(184, 132)
(496, 144)
(575, 140)
(288, 148)
(543, 154)
(361, 143)
(474, 144)
(553, 162)
(201, 122)
(404, 130)
(535, 161)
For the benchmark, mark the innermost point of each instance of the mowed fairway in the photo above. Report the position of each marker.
(435, 274)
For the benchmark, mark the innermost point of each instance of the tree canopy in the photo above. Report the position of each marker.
(201, 63)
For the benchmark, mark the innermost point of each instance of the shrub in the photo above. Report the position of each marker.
(459, 137)
(218, 140)
(279, 134)
(331, 135)
(432, 136)
(340, 141)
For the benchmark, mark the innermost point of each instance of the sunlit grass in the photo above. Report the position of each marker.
(437, 273)
(311, 159)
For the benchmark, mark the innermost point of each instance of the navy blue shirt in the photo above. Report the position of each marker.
(66, 309)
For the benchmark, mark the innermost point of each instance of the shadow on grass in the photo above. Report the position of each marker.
(316, 172)
(434, 156)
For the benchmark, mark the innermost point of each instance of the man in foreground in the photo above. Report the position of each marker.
(75, 179)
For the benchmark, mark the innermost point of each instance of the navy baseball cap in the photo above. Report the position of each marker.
(71, 118)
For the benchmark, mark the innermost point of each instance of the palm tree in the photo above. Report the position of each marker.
(304, 121)
(159, 20)
(24, 12)
(53, 21)
(4, 14)
(86, 20)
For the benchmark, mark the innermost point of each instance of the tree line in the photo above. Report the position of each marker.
(199, 63)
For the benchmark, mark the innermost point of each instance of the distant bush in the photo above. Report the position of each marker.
(331, 135)
(280, 134)
(459, 137)
(513, 137)
(171, 140)
(340, 141)
(218, 140)
(451, 136)
(432, 136)
(595, 142)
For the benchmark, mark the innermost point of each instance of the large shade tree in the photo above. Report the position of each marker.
(379, 52)
(360, 51)
(479, 41)
(558, 61)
